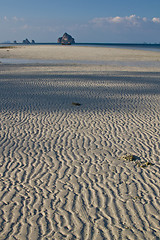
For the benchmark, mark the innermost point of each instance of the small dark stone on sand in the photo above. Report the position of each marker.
(76, 104)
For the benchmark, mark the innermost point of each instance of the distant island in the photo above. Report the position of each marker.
(26, 41)
(66, 39)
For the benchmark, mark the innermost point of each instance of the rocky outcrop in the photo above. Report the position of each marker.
(66, 39)
(26, 41)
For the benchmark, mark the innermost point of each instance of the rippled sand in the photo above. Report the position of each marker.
(62, 175)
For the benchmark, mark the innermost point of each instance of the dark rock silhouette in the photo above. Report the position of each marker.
(66, 39)
(26, 41)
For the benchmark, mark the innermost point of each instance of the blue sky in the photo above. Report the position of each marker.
(85, 20)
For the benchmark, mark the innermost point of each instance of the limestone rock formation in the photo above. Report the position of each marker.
(66, 39)
(26, 41)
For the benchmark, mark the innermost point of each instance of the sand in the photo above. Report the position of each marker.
(62, 174)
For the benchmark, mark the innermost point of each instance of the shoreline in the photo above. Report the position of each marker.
(105, 59)
(134, 46)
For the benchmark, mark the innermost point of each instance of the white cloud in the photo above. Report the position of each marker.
(24, 27)
(116, 19)
(156, 20)
(132, 20)
(15, 18)
(5, 19)
(144, 19)
(11, 19)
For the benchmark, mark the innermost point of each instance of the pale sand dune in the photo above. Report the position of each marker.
(62, 175)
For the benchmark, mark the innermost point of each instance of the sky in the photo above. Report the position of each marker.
(103, 21)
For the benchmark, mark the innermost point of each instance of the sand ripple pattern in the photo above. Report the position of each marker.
(61, 176)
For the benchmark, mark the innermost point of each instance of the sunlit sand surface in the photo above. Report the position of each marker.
(65, 131)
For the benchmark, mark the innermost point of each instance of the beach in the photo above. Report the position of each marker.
(80, 152)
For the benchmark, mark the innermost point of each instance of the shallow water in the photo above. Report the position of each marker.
(107, 63)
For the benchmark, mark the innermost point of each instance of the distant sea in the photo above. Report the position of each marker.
(136, 46)
(140, 46)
